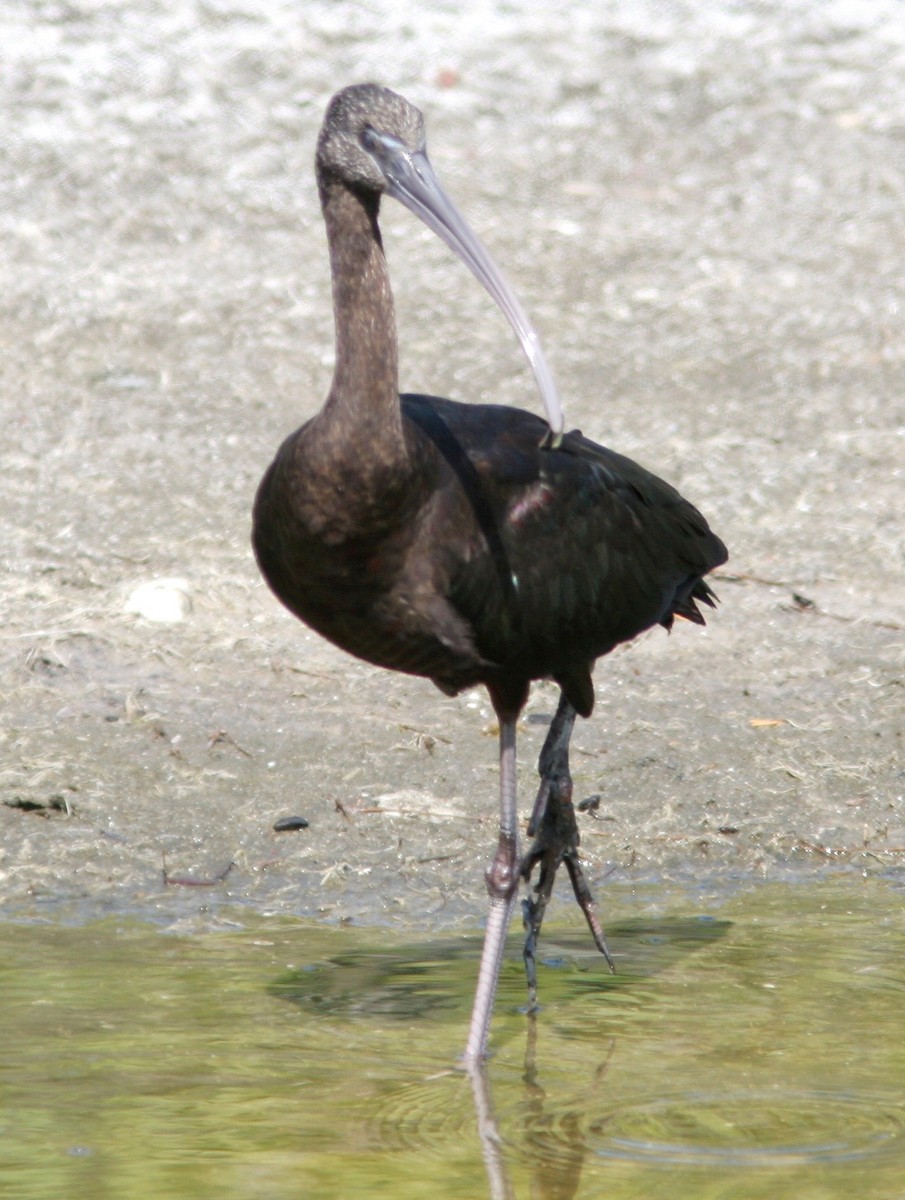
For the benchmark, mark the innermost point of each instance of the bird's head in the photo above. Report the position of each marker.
(369, 137)
(372, 141)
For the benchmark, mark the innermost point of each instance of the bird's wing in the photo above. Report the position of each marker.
(569, 551)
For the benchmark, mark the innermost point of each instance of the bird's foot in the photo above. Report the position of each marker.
(556, 840)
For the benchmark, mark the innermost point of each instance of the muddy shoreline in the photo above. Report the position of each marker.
(704, 211)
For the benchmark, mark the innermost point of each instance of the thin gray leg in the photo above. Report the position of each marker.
(502, 885)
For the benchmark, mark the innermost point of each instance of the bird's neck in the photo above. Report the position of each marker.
(362, 407)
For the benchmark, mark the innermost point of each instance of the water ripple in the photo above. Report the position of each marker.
(749, 1129)
(429, 1114)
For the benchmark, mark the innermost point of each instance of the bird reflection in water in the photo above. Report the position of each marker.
(557, 1139)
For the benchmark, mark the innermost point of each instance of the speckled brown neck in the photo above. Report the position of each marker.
(363, 403)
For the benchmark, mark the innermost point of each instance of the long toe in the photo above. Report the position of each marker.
(556, 841)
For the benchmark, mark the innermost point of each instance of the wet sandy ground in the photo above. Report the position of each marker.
(702, 205)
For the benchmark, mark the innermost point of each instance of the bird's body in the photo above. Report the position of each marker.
(469, 544)
(482, 558)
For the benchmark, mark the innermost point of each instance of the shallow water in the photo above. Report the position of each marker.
(750, 1049)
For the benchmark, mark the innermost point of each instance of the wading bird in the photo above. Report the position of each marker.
(466, 543)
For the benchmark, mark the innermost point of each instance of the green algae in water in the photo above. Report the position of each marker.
(753, 1052)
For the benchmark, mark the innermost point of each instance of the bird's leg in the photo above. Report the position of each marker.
(545, 850)
(556, 840)
(502, 884)
(553, 760)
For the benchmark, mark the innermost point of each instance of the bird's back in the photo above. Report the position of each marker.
(559, 554)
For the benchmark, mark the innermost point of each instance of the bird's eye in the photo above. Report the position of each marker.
(369, 140)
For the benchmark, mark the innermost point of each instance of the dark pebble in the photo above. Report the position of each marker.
(287, 824)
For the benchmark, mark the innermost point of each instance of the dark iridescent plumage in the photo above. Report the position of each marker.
(464, 543)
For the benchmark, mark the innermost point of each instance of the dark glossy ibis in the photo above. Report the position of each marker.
(467, 543)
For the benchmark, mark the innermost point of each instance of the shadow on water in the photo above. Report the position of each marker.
(753, 1052)
(423, 981)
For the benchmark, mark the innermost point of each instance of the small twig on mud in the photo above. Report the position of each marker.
(220, 737)
(801, 603)
(437, 812)
(189, 880)
(437, 737)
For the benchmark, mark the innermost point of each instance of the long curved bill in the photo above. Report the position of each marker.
(411, 180)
